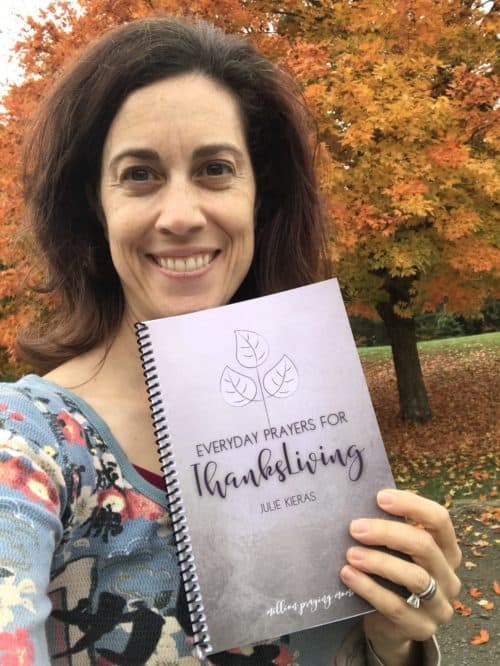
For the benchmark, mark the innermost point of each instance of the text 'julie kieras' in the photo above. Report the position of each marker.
(210, 481)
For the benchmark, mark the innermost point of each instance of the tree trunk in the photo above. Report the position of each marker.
(413, 401)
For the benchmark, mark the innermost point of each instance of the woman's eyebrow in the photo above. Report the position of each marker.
(214, 148)
(151, 155)
(136, 153)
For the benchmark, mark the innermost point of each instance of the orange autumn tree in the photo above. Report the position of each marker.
(407, 106)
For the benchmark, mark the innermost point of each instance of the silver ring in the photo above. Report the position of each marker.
(414, 599)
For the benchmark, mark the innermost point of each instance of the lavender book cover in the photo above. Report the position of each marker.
(276, 448)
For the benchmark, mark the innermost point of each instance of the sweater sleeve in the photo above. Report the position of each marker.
(32, 493)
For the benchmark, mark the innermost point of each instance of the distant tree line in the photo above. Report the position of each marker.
(431, 325)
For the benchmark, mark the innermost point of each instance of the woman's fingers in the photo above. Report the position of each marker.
(434, 553)
(412, 623)
(401, 572)
(415, 542)
(431, 515)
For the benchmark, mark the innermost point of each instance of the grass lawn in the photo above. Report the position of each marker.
(485, 340)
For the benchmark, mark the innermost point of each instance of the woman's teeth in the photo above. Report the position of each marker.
(185, 264)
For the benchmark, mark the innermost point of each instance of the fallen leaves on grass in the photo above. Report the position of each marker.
(482, 637)
(496, 587)
(475, 593)
(453, 454)
(480, 475)
(490, 517)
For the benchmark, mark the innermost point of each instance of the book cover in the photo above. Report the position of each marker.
(270, 448)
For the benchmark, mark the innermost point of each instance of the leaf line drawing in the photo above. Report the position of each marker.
(282, 380)
(239, 389)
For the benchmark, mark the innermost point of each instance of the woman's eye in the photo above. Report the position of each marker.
(137, 174)
(217, 169)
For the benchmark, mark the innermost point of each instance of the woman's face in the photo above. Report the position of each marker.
(177, 191)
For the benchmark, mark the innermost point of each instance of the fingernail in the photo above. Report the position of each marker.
(355, 554)
(359, 526)
(385, 498)
(348, 574)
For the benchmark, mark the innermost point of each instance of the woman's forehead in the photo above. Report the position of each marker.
(182, 109)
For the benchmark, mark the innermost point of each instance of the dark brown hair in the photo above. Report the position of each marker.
(62, 170)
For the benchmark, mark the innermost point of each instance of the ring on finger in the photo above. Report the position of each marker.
(414, 599)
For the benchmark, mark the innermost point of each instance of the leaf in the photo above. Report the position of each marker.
(496, 587)
(486, 605)
(251, 349)
(470, 565)
(283, 379)
(475, 593)
(237, 390)
(461, 609)
(482, 637)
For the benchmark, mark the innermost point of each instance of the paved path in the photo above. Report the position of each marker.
(454, 638)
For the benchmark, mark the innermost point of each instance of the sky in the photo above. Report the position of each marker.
(11, 15)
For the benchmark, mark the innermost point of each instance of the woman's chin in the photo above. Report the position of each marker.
(181, 307)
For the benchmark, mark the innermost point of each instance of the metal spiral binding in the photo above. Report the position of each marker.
(183, 543)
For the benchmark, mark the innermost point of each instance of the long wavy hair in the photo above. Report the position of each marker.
(62, 162)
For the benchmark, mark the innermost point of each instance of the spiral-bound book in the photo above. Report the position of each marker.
(270, 447)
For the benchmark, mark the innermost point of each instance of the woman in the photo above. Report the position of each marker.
(169, 171)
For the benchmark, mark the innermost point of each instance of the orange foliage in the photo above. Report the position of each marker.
(306, 61)
(408, 112)
(448, 153)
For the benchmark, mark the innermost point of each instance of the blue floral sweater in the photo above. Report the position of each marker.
(88, 571)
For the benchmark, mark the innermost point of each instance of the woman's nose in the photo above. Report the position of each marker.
(179, 209)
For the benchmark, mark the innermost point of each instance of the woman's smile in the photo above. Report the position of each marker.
(190, 265)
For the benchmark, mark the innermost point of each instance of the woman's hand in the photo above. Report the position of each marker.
(434, 552)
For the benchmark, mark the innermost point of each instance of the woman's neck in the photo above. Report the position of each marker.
(110, 367)
(110, 379)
